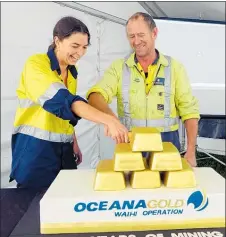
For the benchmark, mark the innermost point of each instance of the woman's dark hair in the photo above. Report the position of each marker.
(66, 26)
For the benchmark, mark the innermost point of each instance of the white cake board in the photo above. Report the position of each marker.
(71, 205)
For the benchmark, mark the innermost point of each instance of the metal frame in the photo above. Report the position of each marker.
(93, 12)
(148, 9)
(197, 148)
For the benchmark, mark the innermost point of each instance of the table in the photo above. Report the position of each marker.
(20, 218)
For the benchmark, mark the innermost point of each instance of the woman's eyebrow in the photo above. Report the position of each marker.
(80, 44)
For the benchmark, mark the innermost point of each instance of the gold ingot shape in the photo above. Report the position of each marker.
(166, 160)
(126, 160)
(145, 179)
(184, 178)
(145, 139)
(107, 179)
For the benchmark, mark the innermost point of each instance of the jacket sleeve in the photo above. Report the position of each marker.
(186, 103)
(43, 87)
(108, 85)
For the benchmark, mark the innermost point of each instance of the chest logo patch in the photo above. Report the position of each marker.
(159, 81)
(137, 80)
(160, 107)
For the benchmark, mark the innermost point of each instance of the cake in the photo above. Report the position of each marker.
(153, 193)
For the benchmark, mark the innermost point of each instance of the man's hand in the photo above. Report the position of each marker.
(191, 158)
(191, 126)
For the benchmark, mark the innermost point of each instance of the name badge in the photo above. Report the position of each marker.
(160, 107)
(159, 81)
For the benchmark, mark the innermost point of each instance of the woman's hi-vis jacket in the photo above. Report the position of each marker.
(44, 123)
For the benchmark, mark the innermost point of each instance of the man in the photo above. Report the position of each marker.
(152, 90)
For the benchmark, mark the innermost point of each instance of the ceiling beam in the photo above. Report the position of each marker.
(148, 9)
(93, 12)
(159, 9)
(153, 9)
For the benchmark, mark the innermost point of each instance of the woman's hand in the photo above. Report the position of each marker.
(78, 152)
(115, 129)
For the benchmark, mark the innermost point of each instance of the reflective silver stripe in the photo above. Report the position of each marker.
(167, 91)
(151, 122)
(50, 92)
(126, 120)
(167, 122)
(26, 103)
(42, 134)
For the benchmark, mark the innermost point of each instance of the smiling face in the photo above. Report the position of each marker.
(141, 37)
(72, 48)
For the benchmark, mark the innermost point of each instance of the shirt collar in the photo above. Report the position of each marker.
(161, 59)
(55, 64)
(155, 61)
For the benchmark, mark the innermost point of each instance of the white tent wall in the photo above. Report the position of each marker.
(200, 47)
(112, 46)
(30, 32)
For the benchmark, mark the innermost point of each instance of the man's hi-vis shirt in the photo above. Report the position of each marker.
(156, 98)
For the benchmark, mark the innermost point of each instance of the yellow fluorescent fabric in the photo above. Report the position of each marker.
(152, 70)
(36, 79)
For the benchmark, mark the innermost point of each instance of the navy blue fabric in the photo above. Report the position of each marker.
(155, 61)
(55, 64)
(36, 162)
(60, 105)
(172, 137)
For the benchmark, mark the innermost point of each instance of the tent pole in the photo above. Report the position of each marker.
(93, 12)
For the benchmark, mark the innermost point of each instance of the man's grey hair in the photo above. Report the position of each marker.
(147, 18)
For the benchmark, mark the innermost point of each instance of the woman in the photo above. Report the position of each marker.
(43, 141)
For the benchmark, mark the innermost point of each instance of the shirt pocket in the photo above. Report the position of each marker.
(157, 100)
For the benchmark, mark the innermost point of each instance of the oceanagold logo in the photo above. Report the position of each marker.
(199, 200)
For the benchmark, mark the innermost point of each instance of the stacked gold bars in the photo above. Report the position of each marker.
(144, 173)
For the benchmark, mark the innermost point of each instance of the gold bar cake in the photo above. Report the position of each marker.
(184, 178)
(166, 160)
(146, 139)
(145, 179)
(106, 179)
(126, 160)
